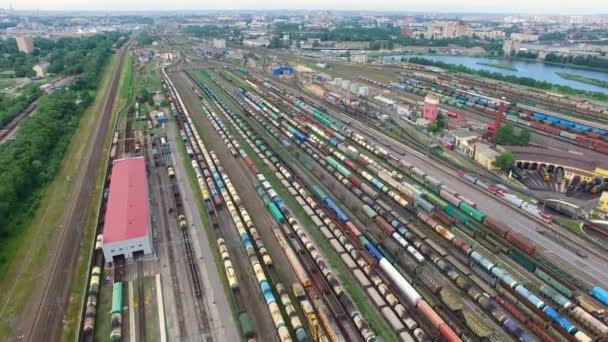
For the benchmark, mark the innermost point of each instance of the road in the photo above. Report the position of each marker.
(45, 312)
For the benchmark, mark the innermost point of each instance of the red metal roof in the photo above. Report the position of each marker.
(127, 210)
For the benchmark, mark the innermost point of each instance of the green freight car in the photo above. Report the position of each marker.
(275, 212)
(246, 325)
(117, 298)
(456, 214)
(474, 213)
(436, 200)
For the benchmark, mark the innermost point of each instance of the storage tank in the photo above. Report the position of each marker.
(345, 84)
(364, 91)
(338, 81)
(354, 88)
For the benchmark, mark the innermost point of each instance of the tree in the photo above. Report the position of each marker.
(433, 127)
(441, 121)
(505, 161)
(506, 136)
(524, 136)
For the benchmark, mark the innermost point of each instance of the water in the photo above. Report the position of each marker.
(537, 70)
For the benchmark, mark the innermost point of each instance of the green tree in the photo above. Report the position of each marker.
(524, 136)
(441, 121)
(505, 161)
(506, 136)
(433, 127)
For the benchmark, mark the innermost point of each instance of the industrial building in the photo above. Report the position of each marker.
(127, 220)
(283, 70)
(25, 44)
(431, 108)
(219, 43)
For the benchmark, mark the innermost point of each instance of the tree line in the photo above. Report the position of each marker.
(31, 160)
(11, 105)
(587, 61)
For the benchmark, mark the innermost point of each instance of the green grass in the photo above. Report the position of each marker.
(77, 289)
(29, 251)
(6, 83)
(570, 224)
(126, 87)
(346, 278)
(583, 79)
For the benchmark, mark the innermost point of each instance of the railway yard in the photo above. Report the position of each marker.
(274, 215)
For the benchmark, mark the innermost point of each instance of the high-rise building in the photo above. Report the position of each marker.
(25, 44)
(431, 31)
(461, 29)
(431, 108)
(454, 29)
(510, 47)
(449, 30)
(219, 43)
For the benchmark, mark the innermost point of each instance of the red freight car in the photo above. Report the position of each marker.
(496, 226)
(537, 125)
(552, 130)
(520, 242)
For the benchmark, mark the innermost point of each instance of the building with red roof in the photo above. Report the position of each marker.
(127, 218)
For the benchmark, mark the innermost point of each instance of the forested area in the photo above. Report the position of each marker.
(31, 160)
(526, 81)
(587, 61)
(65, 55)
(11, 105)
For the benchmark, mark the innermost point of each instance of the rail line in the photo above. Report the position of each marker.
(12, 125)
(141, 299)
(373, 130)
(56, 284)
(200, 303)
(319, 281)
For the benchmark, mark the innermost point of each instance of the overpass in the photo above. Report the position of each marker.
(573, 164)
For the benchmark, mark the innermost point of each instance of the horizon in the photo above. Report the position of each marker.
(538, 7)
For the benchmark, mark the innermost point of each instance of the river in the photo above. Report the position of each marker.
(537, 70)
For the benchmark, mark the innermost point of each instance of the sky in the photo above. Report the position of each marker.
(478, 6)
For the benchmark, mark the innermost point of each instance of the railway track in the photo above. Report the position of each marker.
(201, 306)
(539, 137)
(168, 243)
(50, 308)
(576, 242)
(11, 126)
(449, 315)
(141, 310)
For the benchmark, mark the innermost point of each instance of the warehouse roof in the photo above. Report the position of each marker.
(127, 210)
(550, 156)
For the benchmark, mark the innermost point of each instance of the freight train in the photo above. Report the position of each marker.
(116, 320)
(282, 216)
(513, 200)
(342, 217)
(594, 138)
(557, 319)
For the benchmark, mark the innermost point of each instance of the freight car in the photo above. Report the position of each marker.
(116, 313)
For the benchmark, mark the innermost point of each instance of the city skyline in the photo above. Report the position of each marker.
(476, 6)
